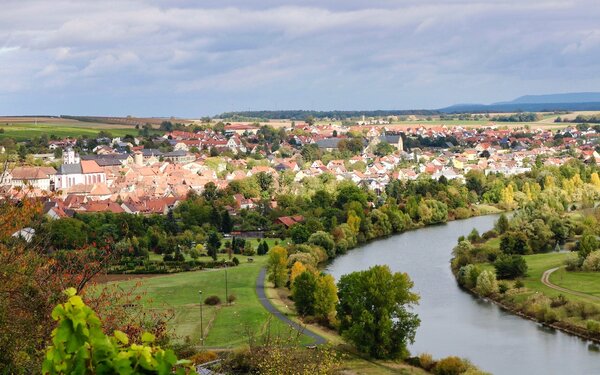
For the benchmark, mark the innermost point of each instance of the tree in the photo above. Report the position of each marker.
(510, 266)
(502, 224)
(586, 245)
(383, 148)
(263, 248)
(299, 234)
(486, 283)
(324, 240)
(514, 243)
(303, 292)
(325, 298)
(296, 270)
(213, 244)
(373, 311)
(277, 266)
(226, 222)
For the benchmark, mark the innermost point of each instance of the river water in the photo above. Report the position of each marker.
(455, 323)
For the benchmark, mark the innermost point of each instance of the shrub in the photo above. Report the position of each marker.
(467, 275)
(486, 283)
(558, 301)
(451, 366)
(573, 263)
(592, 262)
(593, 326)
(231, 298)
(168, 258)
(203, 357)
(212, 300)
(426, 361)
(489, 235)
(510, 266)
(503, 287)
(519, 284)
(235, 261)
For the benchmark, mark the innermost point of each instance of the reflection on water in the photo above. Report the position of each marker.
(454, 322)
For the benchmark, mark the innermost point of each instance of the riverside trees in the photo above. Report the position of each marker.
(373, 311)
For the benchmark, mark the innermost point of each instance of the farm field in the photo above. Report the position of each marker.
(224, 326)
(25, 128)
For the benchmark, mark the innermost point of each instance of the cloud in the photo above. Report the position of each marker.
(290, 54)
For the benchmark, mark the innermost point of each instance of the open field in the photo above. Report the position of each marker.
(224, 326)
(25, 128)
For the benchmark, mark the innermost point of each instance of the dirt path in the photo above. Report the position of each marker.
(546, 281)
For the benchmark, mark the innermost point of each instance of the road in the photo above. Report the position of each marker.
(546, 281)
(260, 291)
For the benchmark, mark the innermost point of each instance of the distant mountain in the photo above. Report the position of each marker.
(577, 101)
(573, 97)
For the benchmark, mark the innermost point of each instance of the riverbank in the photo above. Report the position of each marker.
(568, 310)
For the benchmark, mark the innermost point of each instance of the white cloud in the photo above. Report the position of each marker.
(337, 50)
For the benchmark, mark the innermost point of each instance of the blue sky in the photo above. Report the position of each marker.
(194, 58)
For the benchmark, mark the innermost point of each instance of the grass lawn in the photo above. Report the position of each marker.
(224, 326)
(584, 282)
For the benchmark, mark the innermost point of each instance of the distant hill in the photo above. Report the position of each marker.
(577, 101)
(573, 97)
(304, 114)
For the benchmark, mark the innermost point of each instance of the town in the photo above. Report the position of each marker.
(123, 174)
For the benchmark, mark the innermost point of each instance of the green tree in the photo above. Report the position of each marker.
(325, 298)
(277, 266)
(510, 266)
(299, 234)
(502, 224)
(324, 240)
(373, 311)
(213, 244)
(303, 292)
(486, 283)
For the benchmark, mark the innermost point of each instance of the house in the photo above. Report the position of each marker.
(36, 177)
(179, 156)
(289, 221)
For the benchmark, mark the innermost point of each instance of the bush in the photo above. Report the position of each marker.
(426, 361)
(212, 300)
(573, 263)
(231, 298)
(519, 284)
(451, 366)
(510, 266)
(593, 326)
(558, 301)
(235, 261)
(203, 357)
(503, 287)
(592, 262)
(486, 283)
(467, 275)
(168, 258)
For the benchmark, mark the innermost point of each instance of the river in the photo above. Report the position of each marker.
(454, 322)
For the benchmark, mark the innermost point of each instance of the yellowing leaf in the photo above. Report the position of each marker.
(147, 337)
(122, 337)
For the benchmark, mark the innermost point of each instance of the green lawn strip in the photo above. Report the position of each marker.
(584, 282)
(226, 326)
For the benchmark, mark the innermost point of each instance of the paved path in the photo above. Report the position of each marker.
(260, 291)
(546, 281)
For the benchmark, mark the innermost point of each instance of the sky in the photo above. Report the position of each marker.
(195, 58)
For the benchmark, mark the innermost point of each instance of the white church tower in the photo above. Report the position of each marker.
(70, 157)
